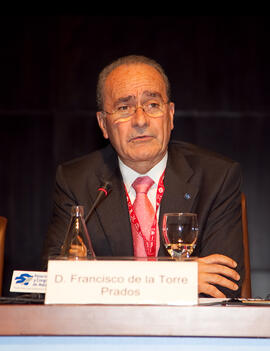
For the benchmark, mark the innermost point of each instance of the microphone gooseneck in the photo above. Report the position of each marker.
(103, 191)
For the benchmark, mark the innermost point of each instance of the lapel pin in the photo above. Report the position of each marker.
(187, 196)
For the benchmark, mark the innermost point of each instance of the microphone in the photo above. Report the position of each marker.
(103, 191)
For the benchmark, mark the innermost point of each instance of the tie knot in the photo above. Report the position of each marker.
(142, 184)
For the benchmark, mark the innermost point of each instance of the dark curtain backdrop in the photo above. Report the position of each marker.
(219, 71)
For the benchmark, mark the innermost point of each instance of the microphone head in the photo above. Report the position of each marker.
(106, 187)
(103, 191)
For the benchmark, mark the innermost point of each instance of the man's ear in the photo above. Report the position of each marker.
(102, 123)
(171, 113)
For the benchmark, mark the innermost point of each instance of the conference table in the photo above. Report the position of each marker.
(129, 327)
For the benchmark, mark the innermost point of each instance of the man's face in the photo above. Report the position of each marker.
(140, 139)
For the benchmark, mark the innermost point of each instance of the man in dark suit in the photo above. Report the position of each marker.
(136, 115)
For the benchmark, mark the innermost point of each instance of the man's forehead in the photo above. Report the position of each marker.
(127, 81)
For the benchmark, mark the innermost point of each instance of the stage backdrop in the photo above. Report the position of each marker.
(219, 70)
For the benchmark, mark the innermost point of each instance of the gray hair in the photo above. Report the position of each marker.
(127, 60)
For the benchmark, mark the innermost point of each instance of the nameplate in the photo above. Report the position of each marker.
(28, 282)
(122, 282)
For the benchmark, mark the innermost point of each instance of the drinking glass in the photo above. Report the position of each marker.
(180, 233)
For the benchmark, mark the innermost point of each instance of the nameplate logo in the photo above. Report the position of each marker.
(28, 282)
(122, 282)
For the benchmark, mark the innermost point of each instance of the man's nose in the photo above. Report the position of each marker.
(140, 118)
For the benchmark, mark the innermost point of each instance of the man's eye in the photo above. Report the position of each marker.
(153, 105)
(123, 108)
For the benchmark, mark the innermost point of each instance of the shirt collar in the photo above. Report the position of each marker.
(129, 175)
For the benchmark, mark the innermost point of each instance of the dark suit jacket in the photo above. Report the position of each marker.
(196, 180)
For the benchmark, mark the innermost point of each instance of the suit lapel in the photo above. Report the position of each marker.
(117, 224)
(112, 213)
(180, 193)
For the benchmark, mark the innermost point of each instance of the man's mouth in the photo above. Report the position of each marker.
(140, 138)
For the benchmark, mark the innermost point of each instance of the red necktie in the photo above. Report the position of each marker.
(144, 212)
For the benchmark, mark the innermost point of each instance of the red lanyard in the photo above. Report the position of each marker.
(149, 245)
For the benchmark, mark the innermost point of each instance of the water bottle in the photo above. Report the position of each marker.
(77, 243)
